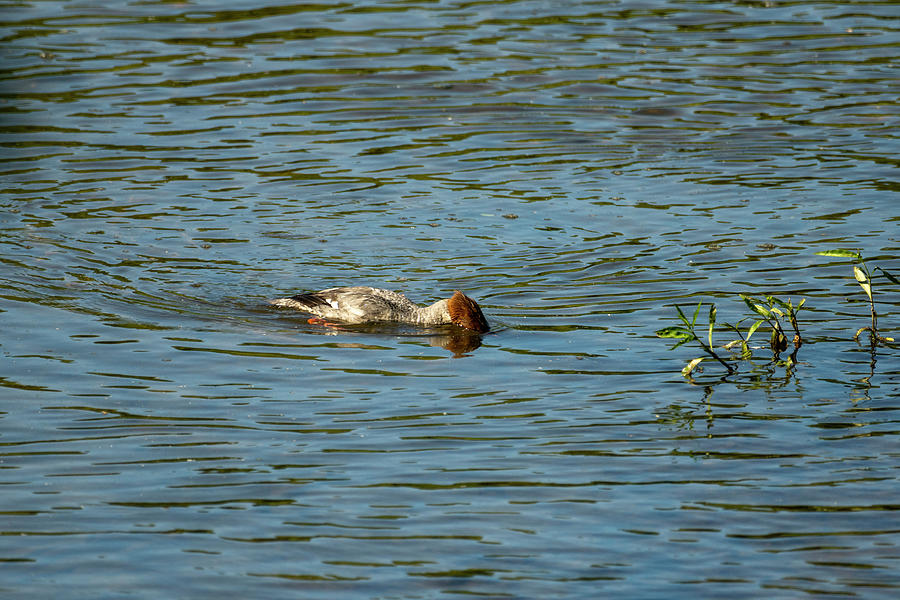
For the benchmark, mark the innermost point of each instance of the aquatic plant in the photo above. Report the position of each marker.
(686, 333)
(772, 311)
(864, 277)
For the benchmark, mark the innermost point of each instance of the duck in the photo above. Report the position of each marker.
(363, 304)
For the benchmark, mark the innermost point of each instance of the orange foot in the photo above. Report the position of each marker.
(322, 322)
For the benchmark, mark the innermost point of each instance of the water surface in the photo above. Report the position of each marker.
(578, 168)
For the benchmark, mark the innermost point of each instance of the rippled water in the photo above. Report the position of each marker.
(578, 168)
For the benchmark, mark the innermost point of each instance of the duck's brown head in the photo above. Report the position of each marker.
(465, 312)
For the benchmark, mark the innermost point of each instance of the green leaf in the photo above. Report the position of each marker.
(777, 342)
(692, 365)
(867, 289)
(683, 318)
(696, 314)
(863, 280)
(753, 328)
(682, 342)
(712, 322)
(749, 301)
(889, 276)
(785, 305)
(799, 304)
(841, 253)
(675, 332)
(755, 307)
(734, 328)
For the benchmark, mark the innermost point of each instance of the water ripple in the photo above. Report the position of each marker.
(577, 168)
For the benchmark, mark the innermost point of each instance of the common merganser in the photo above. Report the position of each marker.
(362, 304)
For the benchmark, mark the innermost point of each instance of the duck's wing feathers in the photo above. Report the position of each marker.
(352, 304)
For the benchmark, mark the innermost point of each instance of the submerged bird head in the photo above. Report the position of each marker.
(465, 312)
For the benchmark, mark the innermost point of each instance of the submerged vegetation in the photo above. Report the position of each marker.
(779, 317)
(772, 311)
(864, 277)
(687, 333)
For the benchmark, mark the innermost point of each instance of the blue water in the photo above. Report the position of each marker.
(578, 168)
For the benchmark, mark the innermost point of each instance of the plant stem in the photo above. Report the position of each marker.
(712, 353)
